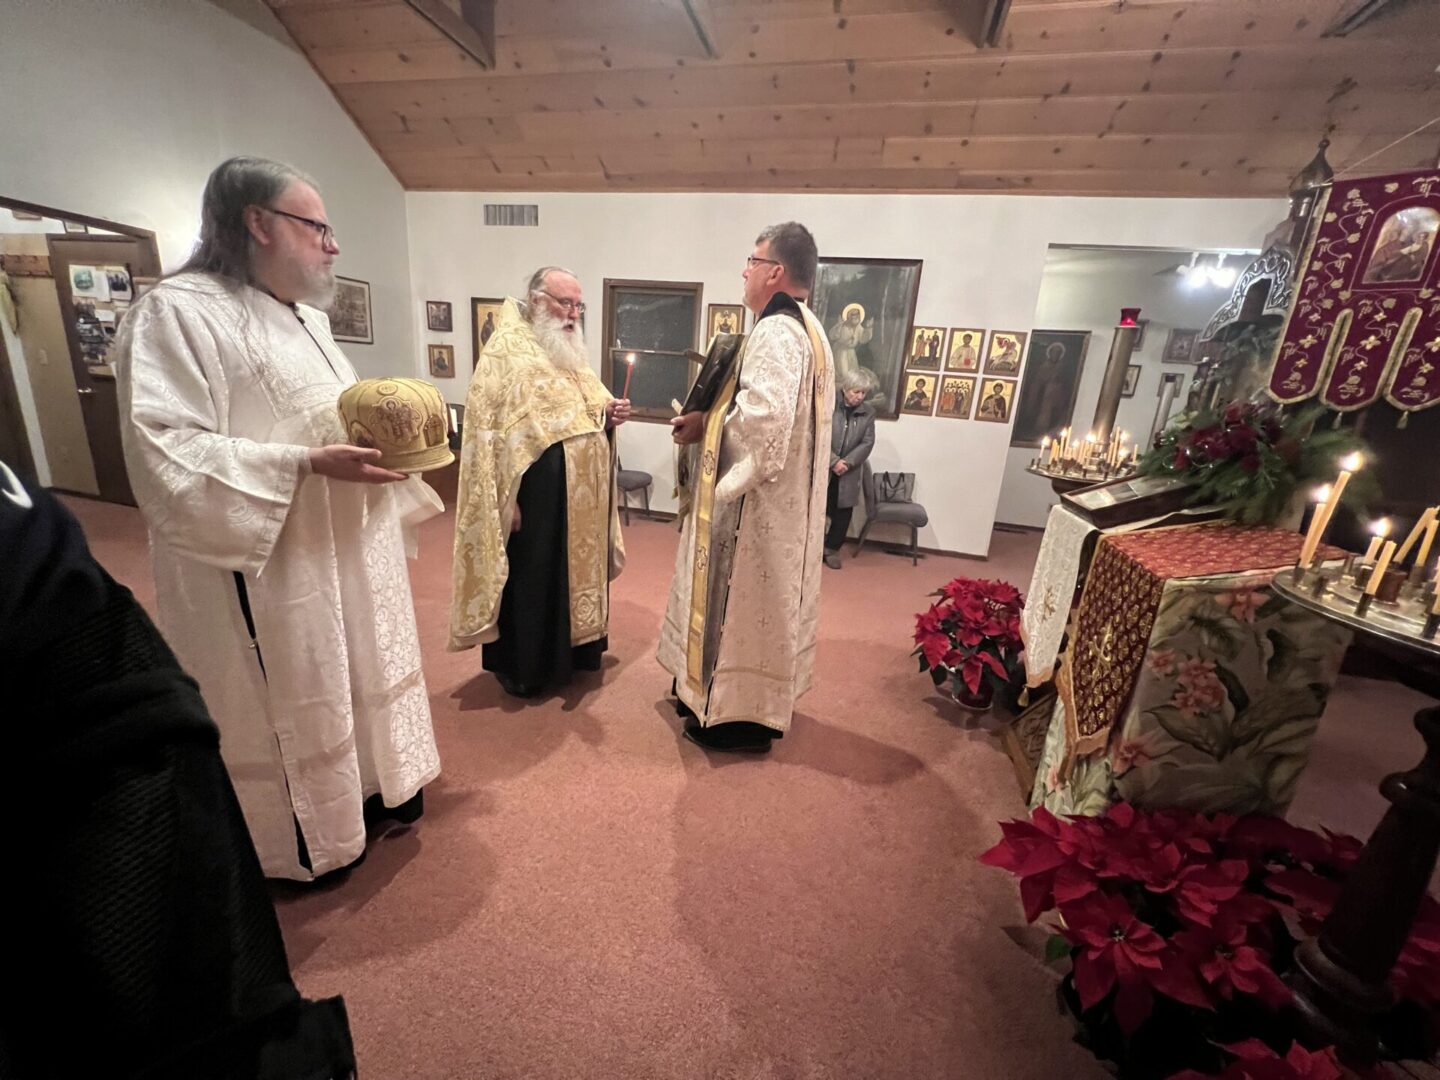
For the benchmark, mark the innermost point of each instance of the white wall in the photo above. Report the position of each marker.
(984, 256)
(119, 109)
(1085, 289)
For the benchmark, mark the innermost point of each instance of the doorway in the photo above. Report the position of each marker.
(73, 279)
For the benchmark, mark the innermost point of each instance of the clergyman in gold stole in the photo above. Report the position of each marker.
(739, 630)
(537, 526)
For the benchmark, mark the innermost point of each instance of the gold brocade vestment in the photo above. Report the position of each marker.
(519, 405)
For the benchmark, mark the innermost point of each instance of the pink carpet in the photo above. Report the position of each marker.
(588, 895)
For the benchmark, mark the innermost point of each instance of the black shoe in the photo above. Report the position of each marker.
(738, 737)
(407, 813)
(516, 689)
(832, 560)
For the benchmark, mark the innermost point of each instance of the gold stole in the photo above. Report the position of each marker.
(695, 671)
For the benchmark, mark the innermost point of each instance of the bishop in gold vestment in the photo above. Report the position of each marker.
(740, 626)
(537, 527)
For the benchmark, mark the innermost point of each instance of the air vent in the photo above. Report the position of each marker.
(512, 214)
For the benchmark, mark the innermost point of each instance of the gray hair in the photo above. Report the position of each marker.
(224, 246)
(860, 378)
(537, 282)
(793, 248)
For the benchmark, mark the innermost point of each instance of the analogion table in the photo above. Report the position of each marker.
(1186, 680)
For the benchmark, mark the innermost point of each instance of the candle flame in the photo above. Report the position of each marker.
(630, 359)
(1321, 494)
(1381, 527)
(1351, 462)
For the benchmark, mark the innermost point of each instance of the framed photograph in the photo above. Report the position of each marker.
(965, 349)
(1140, 337)
(484, 316)
(919, 394)
(723, 319)
(997, 400)
(442, 361)
(927, 344)
(1004, 355)
(1052, 379)
(75, 226)
(438, 316)
(1180, 347)
(1132, 380)
(350, 313)
(957, 394)
(867, 307)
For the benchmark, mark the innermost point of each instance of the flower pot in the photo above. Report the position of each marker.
(978, 702)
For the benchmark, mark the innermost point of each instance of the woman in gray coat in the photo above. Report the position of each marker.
(852, 437)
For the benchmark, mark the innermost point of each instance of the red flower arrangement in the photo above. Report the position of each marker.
(970, 636)
(1180, 929)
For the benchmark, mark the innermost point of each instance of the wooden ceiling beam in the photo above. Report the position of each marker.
(473, 29)
(480, 177)
(1238, 153)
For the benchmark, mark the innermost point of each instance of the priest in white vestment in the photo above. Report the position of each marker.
(279, 550)
(740, 626)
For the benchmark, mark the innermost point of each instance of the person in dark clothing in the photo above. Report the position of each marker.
(852, 437)
(143, 941)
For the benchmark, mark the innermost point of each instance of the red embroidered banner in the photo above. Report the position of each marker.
(1366, 309)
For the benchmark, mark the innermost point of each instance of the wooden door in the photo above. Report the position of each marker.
(94, 378)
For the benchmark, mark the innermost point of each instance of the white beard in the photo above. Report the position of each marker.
(566, 350)
(319, 288)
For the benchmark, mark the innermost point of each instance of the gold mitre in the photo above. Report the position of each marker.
(405, 419)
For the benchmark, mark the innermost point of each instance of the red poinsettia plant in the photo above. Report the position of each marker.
(1180, 929)
(970, 637)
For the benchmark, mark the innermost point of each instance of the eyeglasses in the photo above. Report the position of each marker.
(574, 306)
(327, 234)
(752, 261)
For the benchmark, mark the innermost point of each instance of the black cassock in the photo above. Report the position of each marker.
(534, 650)
(142, 940)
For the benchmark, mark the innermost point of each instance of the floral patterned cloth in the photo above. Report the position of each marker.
(1228, 686)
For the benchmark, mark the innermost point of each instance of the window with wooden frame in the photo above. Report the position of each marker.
(657, 322)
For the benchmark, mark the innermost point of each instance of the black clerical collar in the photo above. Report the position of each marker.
(782, 304)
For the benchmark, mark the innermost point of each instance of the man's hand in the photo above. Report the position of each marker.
(617, 411)
(353, 463)
(515, 521)
(689, 428)
(841, 467)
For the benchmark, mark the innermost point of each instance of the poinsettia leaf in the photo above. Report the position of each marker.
(1094, 977)
(1057, 948)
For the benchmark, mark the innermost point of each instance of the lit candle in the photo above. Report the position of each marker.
(1044, 448)
(1386, 554)
(1064, 442)
(1321, 520)
(629, 370)
(1420, 525)
(1135, 456)
(1317, 526)
(1379, 531)
(1055, 451)
(1428, 539)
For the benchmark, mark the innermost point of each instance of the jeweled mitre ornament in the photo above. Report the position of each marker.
(405, 419)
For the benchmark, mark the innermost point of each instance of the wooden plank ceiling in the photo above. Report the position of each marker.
(1089, 97)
